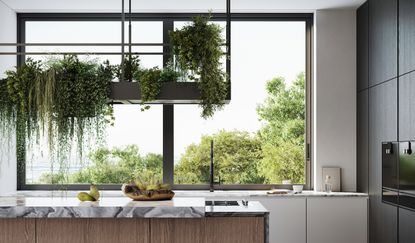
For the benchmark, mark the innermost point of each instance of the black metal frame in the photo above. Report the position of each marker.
(168, 109)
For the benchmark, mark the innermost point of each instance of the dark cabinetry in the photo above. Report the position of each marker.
(362, 46)
(362, 141)
(382, 40)
(407, 107)
(386, 69)
(382, 127)
(383, 222)
(406, 226)
(406, 36)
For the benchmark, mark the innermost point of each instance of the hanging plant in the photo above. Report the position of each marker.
(66, 100)
(151, 80)
(130, 68)
(82, 90)
(7, 114)
(197, 48)
(150, 85)
(169, 74)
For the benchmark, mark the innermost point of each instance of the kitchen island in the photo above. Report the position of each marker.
(118, 219)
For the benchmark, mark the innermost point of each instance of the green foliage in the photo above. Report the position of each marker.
(169, 74)
(150, 85)
(282, 136)
(80, 104)
(273, 154)
(65, 100)
(118, 165)
(236, 157)
(7, 111)
(151, 80)
(129, 69)
(198, 49)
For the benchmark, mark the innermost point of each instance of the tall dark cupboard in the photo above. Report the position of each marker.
(383, 47)
(406, 36)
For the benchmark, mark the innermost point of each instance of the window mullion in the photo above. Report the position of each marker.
(168, 114)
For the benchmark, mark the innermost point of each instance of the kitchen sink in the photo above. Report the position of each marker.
(221, 203)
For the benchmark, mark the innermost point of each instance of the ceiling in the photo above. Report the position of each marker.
(179, 5)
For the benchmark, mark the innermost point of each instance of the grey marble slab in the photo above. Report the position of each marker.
(204, 194)
(107, 207)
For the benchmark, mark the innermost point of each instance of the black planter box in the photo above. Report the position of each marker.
(171, 93)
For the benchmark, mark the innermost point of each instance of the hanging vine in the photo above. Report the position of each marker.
(197, 48)
(66, 100)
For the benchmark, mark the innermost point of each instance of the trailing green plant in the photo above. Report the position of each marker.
(7, 116)
(81, 107)
(151, 80)
(129, 69)
(66, 100)
(169, 74)
(150, 85)
(197, 48)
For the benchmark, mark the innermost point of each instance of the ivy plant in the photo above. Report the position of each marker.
(197, 48)
(66, 99)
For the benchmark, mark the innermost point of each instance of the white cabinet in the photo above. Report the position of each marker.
(287, 219)
(337, 220)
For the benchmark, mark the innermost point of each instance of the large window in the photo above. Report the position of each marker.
(260, 138)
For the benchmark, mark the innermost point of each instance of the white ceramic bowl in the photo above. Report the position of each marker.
(298, 188)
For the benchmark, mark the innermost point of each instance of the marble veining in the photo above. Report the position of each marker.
(205, 194)
(68, 207)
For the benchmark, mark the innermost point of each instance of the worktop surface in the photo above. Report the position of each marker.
(247, 194)
(106, 207)
(120, 207)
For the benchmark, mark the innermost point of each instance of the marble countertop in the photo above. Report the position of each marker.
(120, 207)
(204, 194)
(106, 207)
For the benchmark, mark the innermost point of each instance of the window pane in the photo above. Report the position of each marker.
(95, 32)
(133, 147)
(258, 137)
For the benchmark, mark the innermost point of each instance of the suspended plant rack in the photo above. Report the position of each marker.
(126, 91)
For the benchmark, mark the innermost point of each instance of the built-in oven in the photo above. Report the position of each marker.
(390, 175)
(407, 175)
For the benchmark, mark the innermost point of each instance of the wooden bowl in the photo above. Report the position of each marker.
(133, 192)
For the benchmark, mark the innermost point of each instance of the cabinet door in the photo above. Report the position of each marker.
(177, 230)
(234, 230)
(383, 222)
(407, 107)
(363, 141)
(17, 230)
(362, 46)
(340, 220)
(382, 40)
(406, 36)
(287, 219)
(406, 226)
(382, 127)
(77, 230)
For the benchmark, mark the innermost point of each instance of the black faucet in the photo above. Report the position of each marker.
(212, 177)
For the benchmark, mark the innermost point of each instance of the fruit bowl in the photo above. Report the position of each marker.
(135, 193)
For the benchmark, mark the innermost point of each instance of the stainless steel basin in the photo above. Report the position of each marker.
(221, 203)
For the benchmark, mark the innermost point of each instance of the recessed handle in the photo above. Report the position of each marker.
(389, 149)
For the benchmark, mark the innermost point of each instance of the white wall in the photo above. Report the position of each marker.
(7, 153)
(335, 95)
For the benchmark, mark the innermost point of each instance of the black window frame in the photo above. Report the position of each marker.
(168, 109)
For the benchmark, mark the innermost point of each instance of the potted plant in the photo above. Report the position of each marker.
(197, 48)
